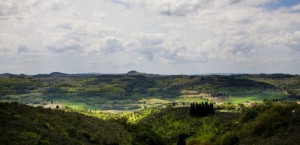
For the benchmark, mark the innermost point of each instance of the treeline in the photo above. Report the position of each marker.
(201, 109)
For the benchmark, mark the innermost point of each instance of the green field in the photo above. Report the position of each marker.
(258, 97)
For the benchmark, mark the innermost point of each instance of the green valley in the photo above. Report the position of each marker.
(133, 91)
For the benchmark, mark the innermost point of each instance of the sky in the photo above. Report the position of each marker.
(151, 36)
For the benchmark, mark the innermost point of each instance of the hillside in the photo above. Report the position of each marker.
(269, 123)
(131, 91)
(21, 124)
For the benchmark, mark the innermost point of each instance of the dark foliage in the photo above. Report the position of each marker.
(144, 136)
(21, 124)
(201, 109)
(268, 123)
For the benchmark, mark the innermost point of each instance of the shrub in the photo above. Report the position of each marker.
(229, 138)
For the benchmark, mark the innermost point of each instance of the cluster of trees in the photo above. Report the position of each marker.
(201, 109)
(13, 86)
(267, 123)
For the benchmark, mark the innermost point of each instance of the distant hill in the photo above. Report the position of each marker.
(108, 91)
(132, 72)
(7, 75)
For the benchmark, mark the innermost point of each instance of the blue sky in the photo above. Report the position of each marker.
(282, 3)
(157, 36)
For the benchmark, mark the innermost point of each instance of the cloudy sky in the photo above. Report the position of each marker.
(152, 36)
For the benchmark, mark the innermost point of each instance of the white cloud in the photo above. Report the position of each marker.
(171, 7)
(17, 9)
(183, 7)
(227, 35)
(66, 45)
(295, 7)
(55, 4)
(111, 45)
(65, 25)
(11, 42)
(292, 40)
(7, 8)
(22, 49)
(147, 44)
(71, 14)
(179, 8)
(99, 16)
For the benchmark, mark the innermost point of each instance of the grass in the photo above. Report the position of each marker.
(189, 99)
(205, 134)
(78, 106)
(91, 103)
(257, 97)
(189, 92)
(154, 101)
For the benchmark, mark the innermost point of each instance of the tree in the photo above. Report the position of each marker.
(201, 109)
(192, 109)
(57, 107)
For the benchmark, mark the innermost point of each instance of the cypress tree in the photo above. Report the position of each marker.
(206, 110)
(202, 109)
(192, 109)
(199, 110)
